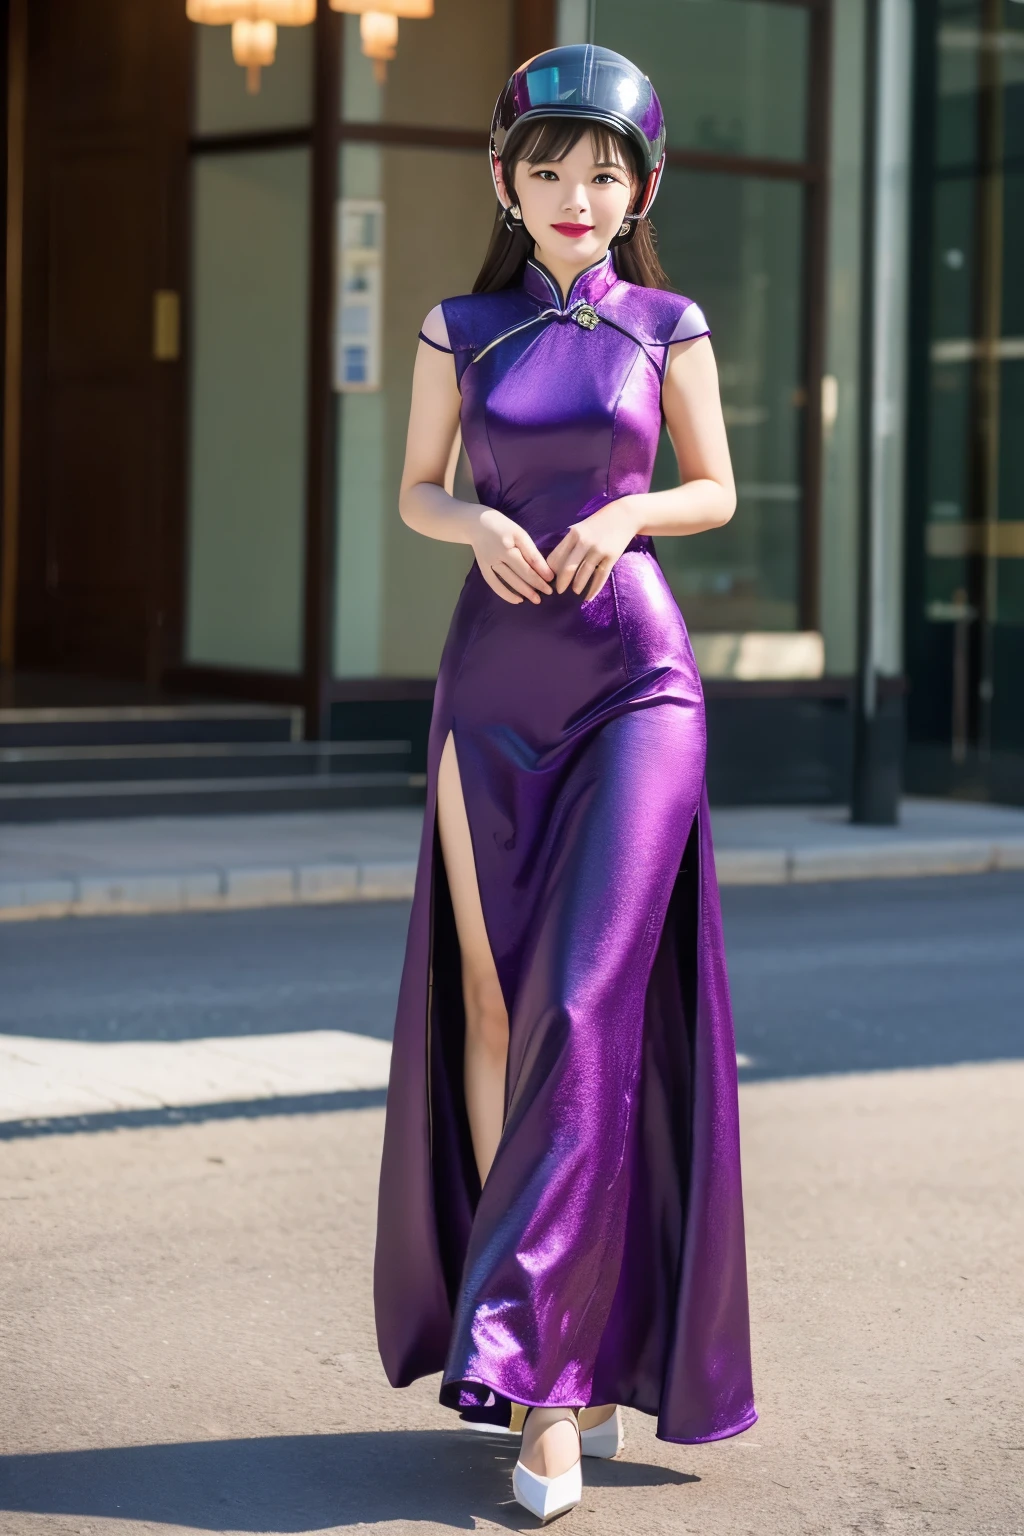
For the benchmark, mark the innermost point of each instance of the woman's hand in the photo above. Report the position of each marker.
(591, 548)
(509, 560)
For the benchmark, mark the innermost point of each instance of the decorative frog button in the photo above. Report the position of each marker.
(586, 316)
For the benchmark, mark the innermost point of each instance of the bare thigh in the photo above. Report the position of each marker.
(479, 974)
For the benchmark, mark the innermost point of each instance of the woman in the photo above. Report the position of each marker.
(560, 1220)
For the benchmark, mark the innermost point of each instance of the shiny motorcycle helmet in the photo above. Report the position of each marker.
(582, 80)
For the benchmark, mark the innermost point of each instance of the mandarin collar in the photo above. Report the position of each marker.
(588, 286)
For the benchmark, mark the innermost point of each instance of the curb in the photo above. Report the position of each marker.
(207, 890)
(879, 861)
(214, 890)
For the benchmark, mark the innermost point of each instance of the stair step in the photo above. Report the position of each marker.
(149, 723)
(198, 797)
(194, 760)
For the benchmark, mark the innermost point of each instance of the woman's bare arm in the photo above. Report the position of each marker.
(424, 500)
(706, 495)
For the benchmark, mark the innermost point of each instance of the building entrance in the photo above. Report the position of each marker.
(101, 397)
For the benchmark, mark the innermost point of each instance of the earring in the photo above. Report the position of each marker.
(513, 218)
(623, 229)
(516, 213)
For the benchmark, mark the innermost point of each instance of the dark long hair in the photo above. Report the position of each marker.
(551, 138)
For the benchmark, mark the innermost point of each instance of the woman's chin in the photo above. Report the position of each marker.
(585, 250)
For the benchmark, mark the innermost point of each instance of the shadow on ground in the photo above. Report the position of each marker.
(295, 1483)
(197, 1114)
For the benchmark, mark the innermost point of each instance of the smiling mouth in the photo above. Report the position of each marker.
(574, 231)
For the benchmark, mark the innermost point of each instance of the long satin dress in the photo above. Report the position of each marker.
(604, 1259)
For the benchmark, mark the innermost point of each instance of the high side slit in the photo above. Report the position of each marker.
(603, 1261)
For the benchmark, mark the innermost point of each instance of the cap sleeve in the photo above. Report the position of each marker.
(435, 330)
(690, 325)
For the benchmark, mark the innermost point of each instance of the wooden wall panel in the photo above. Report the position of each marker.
(533, 29)
(101, 514)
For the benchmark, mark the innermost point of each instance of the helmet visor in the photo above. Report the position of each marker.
(581, 82)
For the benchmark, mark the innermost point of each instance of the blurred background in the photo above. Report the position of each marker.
(226, 220)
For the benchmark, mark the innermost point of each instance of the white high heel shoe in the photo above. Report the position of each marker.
(546, 1497)
(605, 1440)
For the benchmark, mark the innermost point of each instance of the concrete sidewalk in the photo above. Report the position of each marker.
(43, 1080)
(190, 1345)
(94, 868)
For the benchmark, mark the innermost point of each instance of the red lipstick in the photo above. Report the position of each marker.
(574, 231)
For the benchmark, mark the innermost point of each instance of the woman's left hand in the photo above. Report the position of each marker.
(590, 548)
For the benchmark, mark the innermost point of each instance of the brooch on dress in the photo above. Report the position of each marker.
(586, 316)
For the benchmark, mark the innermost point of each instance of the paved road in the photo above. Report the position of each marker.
(825, 978)
(186, 1339)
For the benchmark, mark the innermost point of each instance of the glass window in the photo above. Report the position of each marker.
(949, 486)
(957, 68)
(1008, 724)
(734, 244)
(1013, 79)
(1010, 598)
(285, 96)
(731, 74)
(431, 212)
(447, 70)
(1013, 254)
(947, 572)
(966, 618)
(248, 408)
(1010, 579)
(953, 259)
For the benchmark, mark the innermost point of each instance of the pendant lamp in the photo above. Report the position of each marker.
(254, 25)
(378, 38)
(253, 46)
(378, 26)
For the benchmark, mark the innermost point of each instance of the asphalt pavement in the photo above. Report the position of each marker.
(186, 1338)
(855, 975)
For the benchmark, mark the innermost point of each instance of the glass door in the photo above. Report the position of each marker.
(965, 615)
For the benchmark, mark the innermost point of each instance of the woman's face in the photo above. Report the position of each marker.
(574, 207)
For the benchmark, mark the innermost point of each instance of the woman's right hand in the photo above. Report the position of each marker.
(509, 560)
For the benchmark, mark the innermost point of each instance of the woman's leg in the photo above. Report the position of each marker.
(550, 1440)
(590, 1418)
(486, 1018)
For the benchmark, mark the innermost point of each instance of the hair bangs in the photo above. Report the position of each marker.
(551, 139)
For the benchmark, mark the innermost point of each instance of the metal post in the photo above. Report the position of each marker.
(877, 722)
